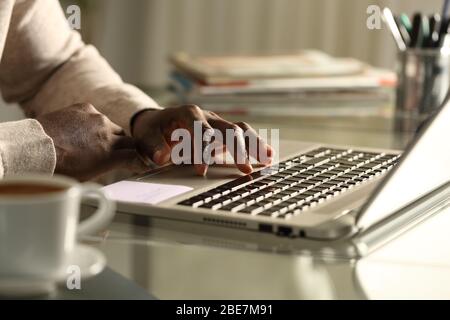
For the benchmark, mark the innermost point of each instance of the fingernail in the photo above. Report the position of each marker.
(166, 157)
(270, 152)
(247, 160)
(267, 160)
(250, 168)
(201, 170)
(157, 156)
(269, 156)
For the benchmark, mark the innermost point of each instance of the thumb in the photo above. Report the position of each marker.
(154, 148)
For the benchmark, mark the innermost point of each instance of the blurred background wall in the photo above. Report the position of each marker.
(136, 36)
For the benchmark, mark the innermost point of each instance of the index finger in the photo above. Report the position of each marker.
(239, 152)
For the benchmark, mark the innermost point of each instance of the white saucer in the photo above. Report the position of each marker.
(90, 261)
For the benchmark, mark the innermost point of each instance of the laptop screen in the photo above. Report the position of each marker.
(424, 167)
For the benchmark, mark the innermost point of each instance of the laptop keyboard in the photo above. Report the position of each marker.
(293, 186)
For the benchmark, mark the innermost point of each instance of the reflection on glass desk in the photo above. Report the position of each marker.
(181, 260)
(108, 285)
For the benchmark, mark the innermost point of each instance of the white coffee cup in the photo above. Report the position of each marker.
(38, 231)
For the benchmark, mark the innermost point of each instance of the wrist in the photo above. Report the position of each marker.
(135, 119)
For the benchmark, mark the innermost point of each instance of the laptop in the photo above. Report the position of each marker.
(317, 192)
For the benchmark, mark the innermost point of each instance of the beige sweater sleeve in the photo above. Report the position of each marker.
(46, 66)
(24, 147)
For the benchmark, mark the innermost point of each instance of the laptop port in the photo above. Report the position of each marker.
(263, 227)
(284, 231)
(302, 234)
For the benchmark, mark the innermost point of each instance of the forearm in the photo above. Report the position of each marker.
(51, 69)
(87, 77)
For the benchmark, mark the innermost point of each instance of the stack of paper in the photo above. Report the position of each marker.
(280, 84)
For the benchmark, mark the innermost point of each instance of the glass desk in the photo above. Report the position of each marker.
(180, 260)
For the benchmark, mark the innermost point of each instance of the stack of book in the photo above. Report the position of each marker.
(308, 82)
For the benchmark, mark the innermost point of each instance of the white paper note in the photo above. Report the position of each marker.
(143, 192)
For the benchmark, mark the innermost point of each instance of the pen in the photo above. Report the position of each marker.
(444, 24)
(435, 26)
(443, 31)
(406, 22)
(415, 31)
(445, 8)
(403, 30)
(390, 21)
(445, 41)
(425, 31)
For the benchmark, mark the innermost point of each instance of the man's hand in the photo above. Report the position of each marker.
(153, 128)
(87, 143)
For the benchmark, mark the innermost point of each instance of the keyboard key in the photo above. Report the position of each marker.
(318, 152)
(265, 214)
(315, 180)
(313, 203)
(261, 174)
(302, 167)
(235, 184)
(254, 209)
(293, 179)
(321, 188)
(270, 179)
(326, 175)
(333, 193)
(299, 188)
(213, 205)
(292, 171)
(284, 183)
(328, 185)
(226, 201)
(304, 207)
(317, 161)
(307, 183)
(235, 195)
(230, 207)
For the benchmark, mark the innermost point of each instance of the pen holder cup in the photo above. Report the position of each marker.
(423, 77)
